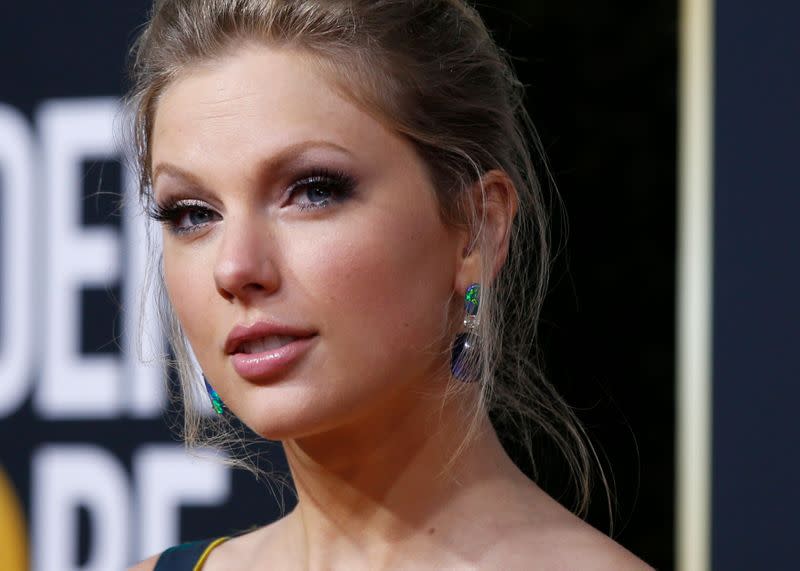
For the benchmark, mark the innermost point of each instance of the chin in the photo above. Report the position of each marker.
(282, 413)
(305, 404)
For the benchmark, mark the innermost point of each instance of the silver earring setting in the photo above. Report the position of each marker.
(465, 348)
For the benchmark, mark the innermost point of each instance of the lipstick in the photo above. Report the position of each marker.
(263, 350)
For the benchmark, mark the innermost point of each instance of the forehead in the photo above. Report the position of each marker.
(257, 101)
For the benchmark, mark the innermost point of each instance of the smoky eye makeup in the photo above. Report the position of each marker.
(314, 188)
(183, 216)
(319, 188)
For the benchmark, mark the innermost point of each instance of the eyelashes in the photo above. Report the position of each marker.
(321, 188)
(183, 216)
(316, 190)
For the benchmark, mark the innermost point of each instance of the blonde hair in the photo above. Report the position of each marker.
(431, 71)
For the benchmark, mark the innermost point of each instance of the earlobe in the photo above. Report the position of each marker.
(486, 244)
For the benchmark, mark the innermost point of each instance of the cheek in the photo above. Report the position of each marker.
(385, 281)
(186, 274)
(178, 290)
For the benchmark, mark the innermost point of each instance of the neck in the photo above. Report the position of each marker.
(399, 480)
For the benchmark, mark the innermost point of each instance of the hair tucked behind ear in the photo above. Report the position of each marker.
(429, 70)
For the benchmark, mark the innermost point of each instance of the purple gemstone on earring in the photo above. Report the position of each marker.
(472, 299)
(464, 358)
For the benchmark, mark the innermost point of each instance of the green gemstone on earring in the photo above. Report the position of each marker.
(217, 404)
(216, 401)
(472, 299)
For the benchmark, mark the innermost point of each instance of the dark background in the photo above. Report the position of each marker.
(757, 281)
(602, 92)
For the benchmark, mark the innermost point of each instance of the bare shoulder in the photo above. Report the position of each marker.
(242, 551)
(571, 546)
(147, 565)
(226, 554)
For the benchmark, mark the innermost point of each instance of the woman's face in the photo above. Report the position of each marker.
(304, 253)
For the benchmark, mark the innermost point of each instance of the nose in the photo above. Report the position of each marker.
(246, 266)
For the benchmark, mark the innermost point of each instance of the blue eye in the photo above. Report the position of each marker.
(321, 190)
(317, 194)
(184, 216)
(197, 216)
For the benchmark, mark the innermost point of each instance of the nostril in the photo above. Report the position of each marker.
(229, 297)
(244, 290)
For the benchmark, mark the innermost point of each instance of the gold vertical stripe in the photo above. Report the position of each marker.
(13, 540)
(694, 286)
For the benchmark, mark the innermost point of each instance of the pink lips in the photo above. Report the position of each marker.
(264, 350)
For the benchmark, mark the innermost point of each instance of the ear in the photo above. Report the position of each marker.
(485, 243)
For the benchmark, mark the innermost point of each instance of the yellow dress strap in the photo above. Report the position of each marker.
(200, 562)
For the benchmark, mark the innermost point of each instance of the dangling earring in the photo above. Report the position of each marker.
(216, 401)
(465, 348)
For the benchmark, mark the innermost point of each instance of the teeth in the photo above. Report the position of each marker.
(266, 344)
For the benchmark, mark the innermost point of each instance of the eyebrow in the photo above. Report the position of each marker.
(275, 163)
